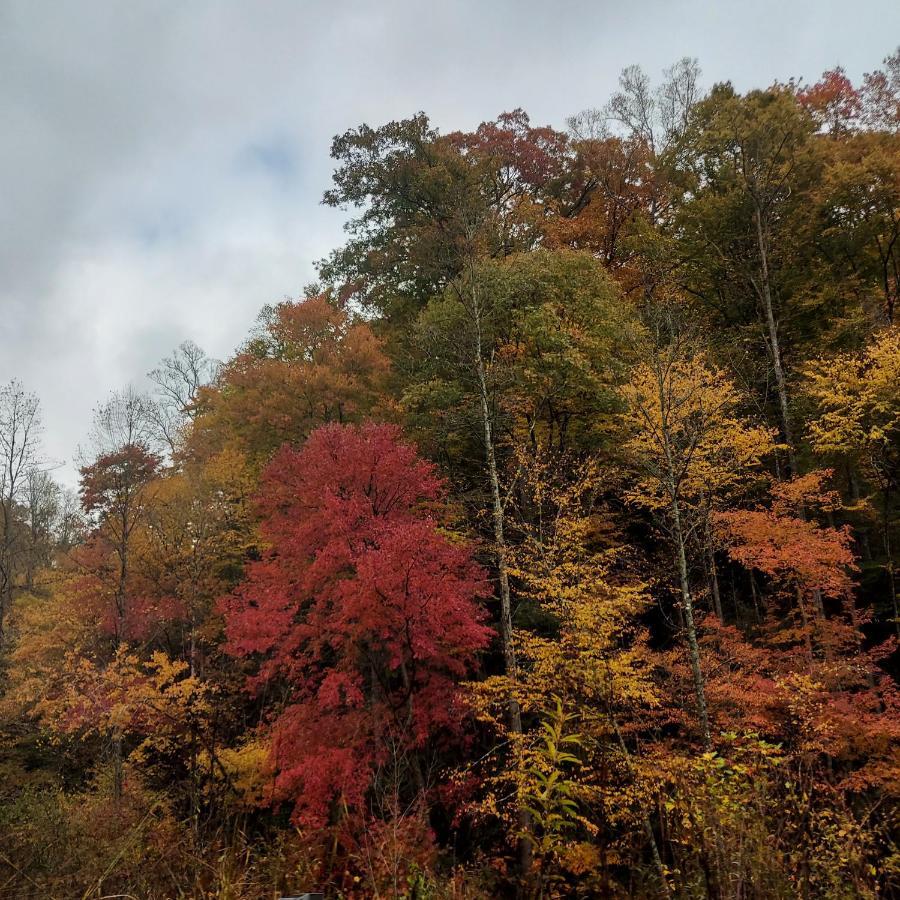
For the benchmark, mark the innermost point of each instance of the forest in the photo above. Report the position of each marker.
(547, 546)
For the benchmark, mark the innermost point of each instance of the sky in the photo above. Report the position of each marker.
(162, 162)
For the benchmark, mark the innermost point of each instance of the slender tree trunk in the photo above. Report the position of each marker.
(713, 574)
(497, 516)
(690, 628)
(415, 765)
(506, 627)
(6, 573)
(647, 825)
(807, 629)
(753, 593)
(120, 600)
(889, 556)
(862, 533)
(765, 293)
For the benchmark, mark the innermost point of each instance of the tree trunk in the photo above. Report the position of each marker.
(889, 556)
(497, 516)
(713, 575)
(6, 573)
(121, 587)
(862, 533)
(664, 891)
(807, 630)
(690, 628)
(514, 713)
(765, 293)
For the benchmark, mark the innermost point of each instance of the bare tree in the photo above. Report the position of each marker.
(114, 491)
(125, 420)
(42, 505)
(589, 125)
(658, 116)
(70, 525)
(178, 379)
(20, 431)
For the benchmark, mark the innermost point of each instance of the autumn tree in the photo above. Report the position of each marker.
(584, 683)
(423, 198)
(834, 102)
(691, 446)
(307, 364)
(365, 609)
(621, 156)
(747, 162)
(198, 531)
(829, 699)
(812, 563)
(857, 421)
(858, 203)
(523, 351)
(114, 490)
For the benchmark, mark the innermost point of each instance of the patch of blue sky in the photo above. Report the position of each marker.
(275, 157)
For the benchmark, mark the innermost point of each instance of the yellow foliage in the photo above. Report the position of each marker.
(857, 396)
(156, 699)
(588, 669)
(563, 564)
(248, 769)
(687, 433)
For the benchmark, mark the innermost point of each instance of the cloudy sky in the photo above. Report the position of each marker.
(162, 161)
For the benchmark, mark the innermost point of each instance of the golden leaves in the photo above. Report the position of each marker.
(687, 434)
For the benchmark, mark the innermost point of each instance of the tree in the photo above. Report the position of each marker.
(833, 101)
(747, 163)
(178, 380)
(519, 350)
(858, 419)
(198, 531)
(881, 95)
(308, 363)
(690, 445)
(587, 672)
(622, 157)
(623, 181)
(20, 429)
(658, 117)
(364, 608)
(42, 514)
(809, 561)
(859, 205)
(425, 197)
(115, 491)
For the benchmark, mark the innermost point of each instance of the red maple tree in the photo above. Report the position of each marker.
(363, 608)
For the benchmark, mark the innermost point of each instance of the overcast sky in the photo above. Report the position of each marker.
(162, 163)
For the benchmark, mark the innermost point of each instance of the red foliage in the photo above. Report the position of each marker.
(93, 595)
(833, 101)
(790, 550)
(114, 478)
(796, 552)
(535, 156)
(363, 606)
